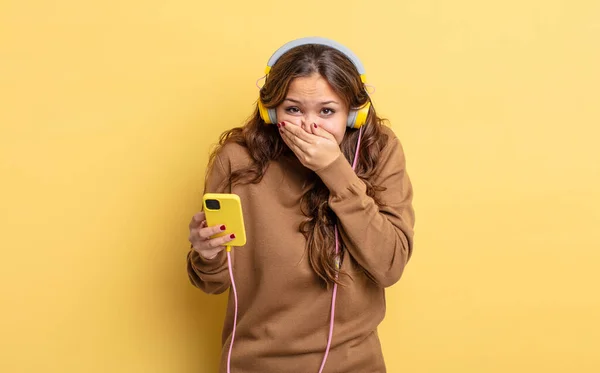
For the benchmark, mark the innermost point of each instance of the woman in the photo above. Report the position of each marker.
(306, 212)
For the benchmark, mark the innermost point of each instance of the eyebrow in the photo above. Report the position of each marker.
(322, 103)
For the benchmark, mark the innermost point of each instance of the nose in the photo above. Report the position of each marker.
(307, 120)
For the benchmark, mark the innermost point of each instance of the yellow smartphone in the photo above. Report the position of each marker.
(225, 209)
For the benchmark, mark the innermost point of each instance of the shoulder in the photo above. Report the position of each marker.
(391, 146)
(233, 156)
(387, 130)
(391, 160)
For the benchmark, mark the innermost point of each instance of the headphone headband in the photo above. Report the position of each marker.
(356, 117)
(321, 41)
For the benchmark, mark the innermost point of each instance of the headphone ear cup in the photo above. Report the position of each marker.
(267, 115)
(358, 118)
(351, 118)
(264, 112)
(272, 115)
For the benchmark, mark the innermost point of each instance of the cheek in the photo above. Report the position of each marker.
(282, 115)
(337, 129)
(339, 137)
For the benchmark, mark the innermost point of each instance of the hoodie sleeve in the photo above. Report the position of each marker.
(211, 275)
(380, 239)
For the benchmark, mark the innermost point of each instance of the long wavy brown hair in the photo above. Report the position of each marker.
(264, 145)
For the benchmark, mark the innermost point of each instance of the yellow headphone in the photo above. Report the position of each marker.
(356, 118)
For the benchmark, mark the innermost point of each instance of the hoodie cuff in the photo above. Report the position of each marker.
(339, 176)
(207, 266)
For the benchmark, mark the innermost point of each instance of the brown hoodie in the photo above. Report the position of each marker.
(284, 310)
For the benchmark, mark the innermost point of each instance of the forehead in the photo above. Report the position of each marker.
(312, 86)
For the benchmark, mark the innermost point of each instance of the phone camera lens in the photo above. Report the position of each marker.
(213, 204)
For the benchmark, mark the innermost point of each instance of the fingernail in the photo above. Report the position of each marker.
(232, 236)
(222, 227)
(278, 125)
(314, 124)
(282, 124)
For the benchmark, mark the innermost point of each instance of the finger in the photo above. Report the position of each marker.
(206, 233)
(197, 219)
(298, 132)
(299, 148)
(292, 138)
(286, 139)
(220, 241)
(320, 132)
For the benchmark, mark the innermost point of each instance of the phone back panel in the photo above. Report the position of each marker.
(229, 214)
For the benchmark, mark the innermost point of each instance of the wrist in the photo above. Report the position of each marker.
(338, 175)
(202, 256)
(208, 257)
(330, 161)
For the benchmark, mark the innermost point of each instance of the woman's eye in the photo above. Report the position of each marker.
(327, 111)
(292, 110)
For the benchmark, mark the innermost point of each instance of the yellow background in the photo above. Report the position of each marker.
(107, 112)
